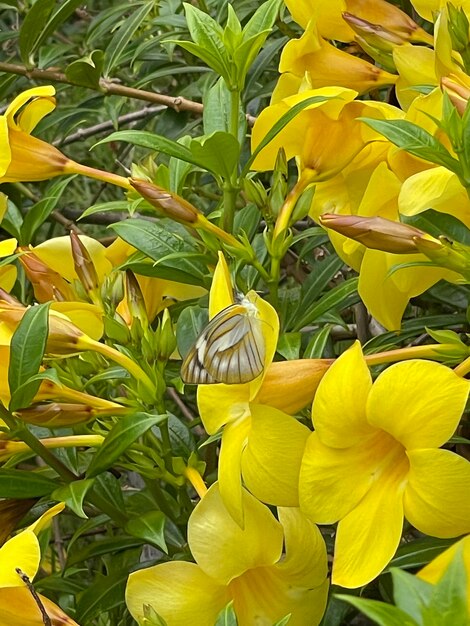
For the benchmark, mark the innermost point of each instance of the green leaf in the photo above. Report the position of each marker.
(208, 37)
(219, 152)
(420, 551)
(264, 18)
(227, 616)
(289, 345)
(28, 344)
(123, 36)
(39, 212)
(150, 527)
(191, 322)
(73, 495)
(410, 593)
(22, 484)
(449, 603)
(110, 545)
(341, 296)
(416, 141)
(31, 29)
(145, 139)
(104, 207)
(166, 243)
(87, 70)
(122, 435)
(382, 614)
(317, 344)
(280, 124)
(31, 386)
(106, 593)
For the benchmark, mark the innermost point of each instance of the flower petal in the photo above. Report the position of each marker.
(21, 551)
(5, 153)
(272, 457)
(233, 443)
(418, 402)
(368, 537)
(221, 404)
(340, 402)
(179, 592)
(19, 608)
(334, 480)
(436, 497)
(221, 292)
(44, 91)
(221, 548)
(87, 317)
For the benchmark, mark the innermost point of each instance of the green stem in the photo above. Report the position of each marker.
(230, 188)
(36, 446)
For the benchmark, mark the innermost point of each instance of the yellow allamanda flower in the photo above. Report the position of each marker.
(375, 457)
(7, 272)
(254, 416)
(27, 158)
(325, 65)
(328, 15)
(17, 605)
(246, 566)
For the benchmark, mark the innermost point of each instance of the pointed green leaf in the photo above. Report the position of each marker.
(150, 527)
(382, 614)
(73, 495)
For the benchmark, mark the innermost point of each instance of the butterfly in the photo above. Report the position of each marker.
(230, 349)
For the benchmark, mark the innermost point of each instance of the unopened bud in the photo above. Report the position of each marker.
(167, 337)
(47, 283)
(377, 233)
(84, 265)
(458, 93)
(375, 35)
(170, 204)
(458, 27)
(133, 304)
(451, 255)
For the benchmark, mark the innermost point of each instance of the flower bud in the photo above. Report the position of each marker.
(377, 233)
(458, 92)
(57, 414)
(47, 284)
(170, 204)
(84, 266)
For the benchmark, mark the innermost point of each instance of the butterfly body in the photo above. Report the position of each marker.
(229, 350)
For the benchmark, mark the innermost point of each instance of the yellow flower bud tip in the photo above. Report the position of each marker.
(7, 297)
(47, 284)
(57, 414)
(377, 233)
(83, 264)
(170, 204)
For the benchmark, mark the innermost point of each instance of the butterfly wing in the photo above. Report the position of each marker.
(229, 350)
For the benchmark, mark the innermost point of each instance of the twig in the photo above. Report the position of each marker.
(107, 88)
(66, 223)
(58, 543)
(84, 133)
(45, 617)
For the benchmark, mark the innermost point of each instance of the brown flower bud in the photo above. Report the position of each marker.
(170, 204)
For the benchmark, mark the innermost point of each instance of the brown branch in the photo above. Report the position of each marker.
(107, 88)
(46, 620)
(110, 88)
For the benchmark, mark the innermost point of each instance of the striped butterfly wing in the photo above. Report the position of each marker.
(230, 350)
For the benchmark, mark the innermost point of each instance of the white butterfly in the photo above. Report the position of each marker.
(230, 350)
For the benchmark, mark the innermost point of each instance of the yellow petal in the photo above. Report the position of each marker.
(87, 317)
(33, 112)
(5, 153)
(43, 521)
(386, 292)
(57, 254)
(45, 91)
(339, 406)
(272, 457)
(21, 551)
(326, 13)
(19, 608)
(8, 277)
(436, 188)
(334, 480)
(436, 497)
(181, 593)
(7, 247)
(221, 548)
(234, 439)
(32, 159)
(415, 66)
(368, 537)
(420, 403)
(221, 293)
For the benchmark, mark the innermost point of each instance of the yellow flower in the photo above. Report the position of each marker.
(254, 435)
(17, 605)
(375, 458)
(328, 15)
(27, 158)
(326, 65)
(246, 566)
(7, 272)
(316, 136)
